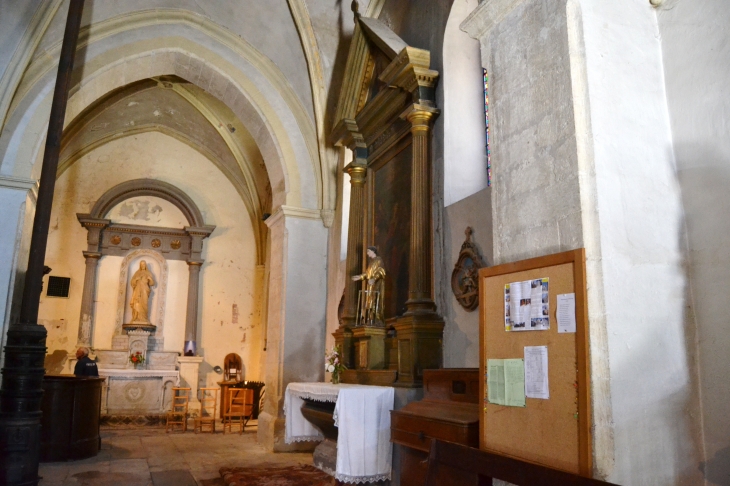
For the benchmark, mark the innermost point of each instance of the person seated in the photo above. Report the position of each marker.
(85, 366)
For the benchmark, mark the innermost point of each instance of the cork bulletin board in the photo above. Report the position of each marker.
(554, 432)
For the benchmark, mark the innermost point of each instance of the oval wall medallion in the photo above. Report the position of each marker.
(465, 277)
(175, 244)
(115, 240)
(136, 241)
(156, 243)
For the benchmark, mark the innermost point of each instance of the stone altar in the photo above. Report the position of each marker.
(137, 392)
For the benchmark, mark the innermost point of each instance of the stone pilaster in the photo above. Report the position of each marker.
(191, 316)
(94, 227)
(86, 319)
(420, 293)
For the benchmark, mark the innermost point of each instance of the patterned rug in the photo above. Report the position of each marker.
(276, 476)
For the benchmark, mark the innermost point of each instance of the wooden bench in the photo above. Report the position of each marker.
(484, 466)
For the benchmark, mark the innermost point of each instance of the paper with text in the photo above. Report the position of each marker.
(527, 306)
(506, 382)
(536, 372)
(566, 313)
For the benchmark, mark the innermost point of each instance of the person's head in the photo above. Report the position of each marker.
(372, 251)
(81, 352)
(143, 265)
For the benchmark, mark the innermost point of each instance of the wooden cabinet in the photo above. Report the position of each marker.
(449, 411)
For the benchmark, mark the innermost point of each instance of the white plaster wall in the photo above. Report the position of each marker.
(226, 277)
(461, 332)
(12, 218)
(640, 230)
(696, 47)
(465, 153)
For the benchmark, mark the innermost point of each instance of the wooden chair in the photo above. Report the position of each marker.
(482, 466)
(208, 402)
(239, 410)
(178, 415)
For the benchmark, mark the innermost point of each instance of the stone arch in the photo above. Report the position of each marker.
(148, 187)
(273, 114)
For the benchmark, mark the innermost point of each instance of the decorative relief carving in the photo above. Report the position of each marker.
(115, 240)
(465, 277)
(136, 241)
(175, 244)
(156, 243)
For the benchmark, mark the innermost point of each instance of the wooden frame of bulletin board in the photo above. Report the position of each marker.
(554, 432)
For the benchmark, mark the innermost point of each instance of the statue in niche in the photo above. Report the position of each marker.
(370, 305)
(142, 283)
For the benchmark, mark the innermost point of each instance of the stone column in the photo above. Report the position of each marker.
(197, 235)
(191, 317)
(86, 320)
(420, 294)
(94, 228)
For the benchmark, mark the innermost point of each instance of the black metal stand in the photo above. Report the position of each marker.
(21, 392)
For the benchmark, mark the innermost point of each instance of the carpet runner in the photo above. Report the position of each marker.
(302, 475)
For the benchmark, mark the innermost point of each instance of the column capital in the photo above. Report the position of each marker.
(420, 117)
(358, 173)
(91, 255)
(195, 263)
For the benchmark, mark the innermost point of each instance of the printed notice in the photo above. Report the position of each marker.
(536, 372)
(526, 305)
(566, 313)
(506, 382)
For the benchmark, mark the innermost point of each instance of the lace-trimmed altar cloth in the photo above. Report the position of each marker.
(362, 415)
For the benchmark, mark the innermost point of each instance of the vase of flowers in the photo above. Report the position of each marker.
(137, 359)
(333, 364)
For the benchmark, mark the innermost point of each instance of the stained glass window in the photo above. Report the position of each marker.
(486, 132)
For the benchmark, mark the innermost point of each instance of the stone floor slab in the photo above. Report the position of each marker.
(179, 477)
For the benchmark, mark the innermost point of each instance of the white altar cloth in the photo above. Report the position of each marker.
(362, 415)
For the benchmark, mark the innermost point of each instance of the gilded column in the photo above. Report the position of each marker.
(356, 229)
(420, 297)
(86, 320)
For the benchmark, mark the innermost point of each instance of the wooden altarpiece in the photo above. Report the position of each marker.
(385, 116)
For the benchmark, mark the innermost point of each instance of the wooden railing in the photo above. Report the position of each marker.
(482, 467)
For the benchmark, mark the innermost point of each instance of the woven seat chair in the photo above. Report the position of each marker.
(239, 410)
(178, 415)
(208, 407)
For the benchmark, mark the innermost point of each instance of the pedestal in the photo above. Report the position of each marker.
(189, 371)
(369, 347)
(420, 338)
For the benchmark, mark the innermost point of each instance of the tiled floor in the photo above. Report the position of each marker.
(127, 457)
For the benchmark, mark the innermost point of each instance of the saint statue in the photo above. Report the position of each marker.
(371, 299)
(142, 282)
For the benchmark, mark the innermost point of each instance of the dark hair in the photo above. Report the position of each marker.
(374, 249)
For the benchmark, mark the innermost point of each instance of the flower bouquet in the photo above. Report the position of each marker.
(333, 364)
(137, 359)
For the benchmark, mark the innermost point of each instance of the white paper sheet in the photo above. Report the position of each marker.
(536, 372)
(566, 313)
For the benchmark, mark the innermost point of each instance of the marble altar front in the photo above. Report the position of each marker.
(137, 392)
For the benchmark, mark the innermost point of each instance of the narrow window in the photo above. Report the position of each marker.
(486, 132)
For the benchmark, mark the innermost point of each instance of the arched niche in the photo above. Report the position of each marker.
(132, 241)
